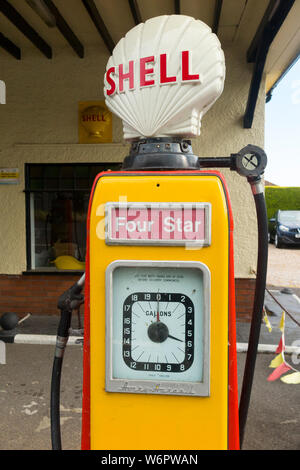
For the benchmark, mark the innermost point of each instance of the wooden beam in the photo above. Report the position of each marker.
(177, 7)
(99, 23)
(217, 15)
(19, 22)
(65, 29)
(10, 47)
(256, 78)
(267, 36)
(252, 50)
(135, 11)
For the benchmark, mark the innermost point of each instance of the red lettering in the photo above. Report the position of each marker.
(144, 71)
(163, 71)
(124, 76)
(186, 76)
(110, 81)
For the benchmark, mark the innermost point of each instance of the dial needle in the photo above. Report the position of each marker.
(157, 315)
(173, 337)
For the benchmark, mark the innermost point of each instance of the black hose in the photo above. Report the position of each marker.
(55, 403)
(61, 342)
(261, 274)
(70, 300)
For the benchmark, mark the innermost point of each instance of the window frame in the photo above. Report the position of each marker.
(103, 166)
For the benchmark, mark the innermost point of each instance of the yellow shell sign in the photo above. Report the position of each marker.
(95, 123)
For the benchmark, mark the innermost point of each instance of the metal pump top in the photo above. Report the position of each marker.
(161, 153)
(171, 153)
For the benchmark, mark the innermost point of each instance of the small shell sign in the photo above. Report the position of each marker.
(163, 76)
(95, 123)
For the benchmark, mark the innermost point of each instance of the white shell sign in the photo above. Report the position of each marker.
(163, 76)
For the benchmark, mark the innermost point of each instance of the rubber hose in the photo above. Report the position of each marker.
(55, 403)
(259, 296)
(62, 338)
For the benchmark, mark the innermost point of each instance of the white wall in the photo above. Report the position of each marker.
(38, 124)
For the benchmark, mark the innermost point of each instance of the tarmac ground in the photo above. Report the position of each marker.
(273, 418)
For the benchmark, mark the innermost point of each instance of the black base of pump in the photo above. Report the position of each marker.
(162, 153)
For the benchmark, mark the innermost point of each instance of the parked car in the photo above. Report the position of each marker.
(284, 228)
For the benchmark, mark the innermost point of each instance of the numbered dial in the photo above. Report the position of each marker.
(158, 331)
(250, 161)
(156, 327)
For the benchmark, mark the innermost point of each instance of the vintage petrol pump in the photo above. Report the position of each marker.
(159, 329)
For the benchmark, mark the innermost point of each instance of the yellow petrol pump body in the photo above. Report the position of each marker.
(148, 408)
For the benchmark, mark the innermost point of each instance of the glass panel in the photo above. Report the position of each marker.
(82, 171)
(51, 183)
(51, 171)
(94, 171)
(66, 171)
(289, 217)
(66, 183)
(36, 171)
(58, 230)
(36, 183)
(58, 213)
(83, 183)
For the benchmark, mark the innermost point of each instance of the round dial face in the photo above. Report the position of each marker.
(157, 322)
(158, 331)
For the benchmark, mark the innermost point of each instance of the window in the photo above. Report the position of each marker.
(57, 198)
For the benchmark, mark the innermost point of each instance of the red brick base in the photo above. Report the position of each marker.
(35, 294)
(244, 297)
(38, 294)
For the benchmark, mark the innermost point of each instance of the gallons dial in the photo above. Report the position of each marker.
(158, 331)
(157, 322)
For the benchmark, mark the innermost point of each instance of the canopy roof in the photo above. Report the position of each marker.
(267, 30)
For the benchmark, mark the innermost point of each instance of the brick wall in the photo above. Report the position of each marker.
(35, 294)
(244, 297)
(38, 294)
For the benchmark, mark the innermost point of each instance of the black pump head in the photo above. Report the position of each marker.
(161, 153)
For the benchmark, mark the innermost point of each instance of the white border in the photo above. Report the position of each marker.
(110, 240)
(155, 386)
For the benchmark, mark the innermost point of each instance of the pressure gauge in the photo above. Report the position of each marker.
(157, 327)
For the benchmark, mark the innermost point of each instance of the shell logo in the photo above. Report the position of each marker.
(95, 123)
(164, 79)
(95, 119)
(163, 76)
